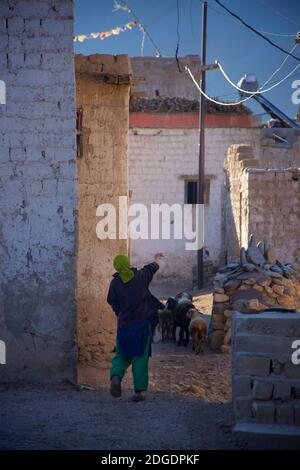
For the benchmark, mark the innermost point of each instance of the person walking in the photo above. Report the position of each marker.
(136, 310)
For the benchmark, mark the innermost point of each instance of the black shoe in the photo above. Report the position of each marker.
(138, 397)
(115, 386)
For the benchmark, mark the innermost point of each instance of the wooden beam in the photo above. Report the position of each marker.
(114, 79)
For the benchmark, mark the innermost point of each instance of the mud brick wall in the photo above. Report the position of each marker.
(261, 201)
(102, 178)
(271, 156)
(266, 384)
(37, 190)
(235, 214)
(274, 210)
(163, 77)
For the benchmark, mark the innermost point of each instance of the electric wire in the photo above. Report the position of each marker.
(282, 35)
(244, 99)
(241, 25)
(178, 37)
(221, 103)
(256, 31)
(261, 90)
(270, 7)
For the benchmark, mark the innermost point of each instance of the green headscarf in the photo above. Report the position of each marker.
(122, 266)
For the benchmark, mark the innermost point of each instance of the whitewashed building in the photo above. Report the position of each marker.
(163, 156)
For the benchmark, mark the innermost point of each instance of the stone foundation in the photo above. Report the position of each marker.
(265, 382)
(256, 283)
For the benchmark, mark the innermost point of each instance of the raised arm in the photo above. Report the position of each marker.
(148, 271)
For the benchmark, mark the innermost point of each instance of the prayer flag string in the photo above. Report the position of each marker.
(105, 34)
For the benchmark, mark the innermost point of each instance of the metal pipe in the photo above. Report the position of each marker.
(201, 169)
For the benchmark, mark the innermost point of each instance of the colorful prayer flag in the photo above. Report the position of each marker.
(105, 34)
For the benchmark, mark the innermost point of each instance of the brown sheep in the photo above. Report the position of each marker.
(166, 324)
(197, 329)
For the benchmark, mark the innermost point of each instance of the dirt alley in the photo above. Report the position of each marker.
(188, 406)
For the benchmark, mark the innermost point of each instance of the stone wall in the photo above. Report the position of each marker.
(278, 155)
(163, 77)
(37, 190)
(265, 381)
(235, 196)
(159, 159)
(261, 201)
(274, 210)
(102, 178)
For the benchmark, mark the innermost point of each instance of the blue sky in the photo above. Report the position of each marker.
(239, 50)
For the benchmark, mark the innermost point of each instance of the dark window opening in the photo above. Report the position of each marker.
(191, 191)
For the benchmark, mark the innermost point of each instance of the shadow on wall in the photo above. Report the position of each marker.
(235, 227)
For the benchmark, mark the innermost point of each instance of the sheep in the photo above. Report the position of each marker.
(166, 323)
(180, 306)
(184, 295)
(197, 330)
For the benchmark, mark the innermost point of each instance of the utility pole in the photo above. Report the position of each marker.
(201, 173)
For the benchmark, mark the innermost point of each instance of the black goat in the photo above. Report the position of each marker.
(179, 307)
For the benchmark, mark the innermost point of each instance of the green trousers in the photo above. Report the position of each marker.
(139, 367)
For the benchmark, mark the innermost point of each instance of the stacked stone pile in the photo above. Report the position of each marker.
(163, 104)
(257, 283)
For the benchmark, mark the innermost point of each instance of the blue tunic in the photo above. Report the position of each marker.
(132, 340)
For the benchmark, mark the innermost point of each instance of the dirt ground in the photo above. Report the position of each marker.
(59, 417)
(178, 369)
(188, 407)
